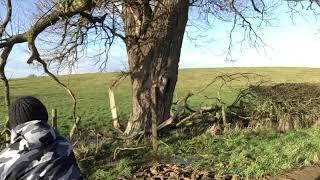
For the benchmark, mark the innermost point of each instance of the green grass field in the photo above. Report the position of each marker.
(249, 154)
(91, 91)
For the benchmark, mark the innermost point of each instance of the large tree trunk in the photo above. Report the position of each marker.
(154, 40)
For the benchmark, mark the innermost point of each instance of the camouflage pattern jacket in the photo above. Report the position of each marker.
(36, 152)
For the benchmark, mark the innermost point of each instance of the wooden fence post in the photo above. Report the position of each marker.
(223, 110)
(154, 124)
(54, 119)
(114, 114)
(7, 132)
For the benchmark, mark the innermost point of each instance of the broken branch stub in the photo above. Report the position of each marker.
(75, 128)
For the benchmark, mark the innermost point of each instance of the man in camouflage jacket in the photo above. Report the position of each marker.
(35, 151)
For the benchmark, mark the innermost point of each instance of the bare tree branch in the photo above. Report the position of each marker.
(255, 7)
(7, 18)
(46, 21)
(36, 56)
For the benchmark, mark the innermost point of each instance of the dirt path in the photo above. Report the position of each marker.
(306, 173)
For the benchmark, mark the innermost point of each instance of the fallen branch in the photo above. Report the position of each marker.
(180, 108)
(187, 118)
(118, 150)
(166, 123)
(183, 113)
(241, 117)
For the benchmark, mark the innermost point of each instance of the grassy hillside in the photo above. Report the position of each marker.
(91, 91)
(249, 154)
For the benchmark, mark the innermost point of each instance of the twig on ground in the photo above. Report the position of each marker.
(187, 118)
(161, 142)
(118, 150)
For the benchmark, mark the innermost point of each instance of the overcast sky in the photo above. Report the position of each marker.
(287, 44)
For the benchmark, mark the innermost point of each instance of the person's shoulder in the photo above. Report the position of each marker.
(12, 149)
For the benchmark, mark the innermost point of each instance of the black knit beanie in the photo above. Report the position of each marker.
(26, 109)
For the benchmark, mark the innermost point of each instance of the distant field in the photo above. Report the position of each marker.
(93, 103)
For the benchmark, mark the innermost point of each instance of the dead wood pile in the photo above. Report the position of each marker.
(283, 106)
(279, 107)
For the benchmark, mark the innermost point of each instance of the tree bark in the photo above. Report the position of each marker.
(153, 39)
